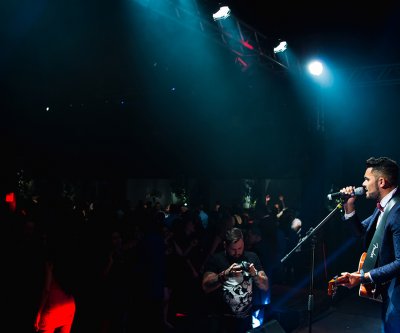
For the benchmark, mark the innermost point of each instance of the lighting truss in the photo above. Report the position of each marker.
(247, 43)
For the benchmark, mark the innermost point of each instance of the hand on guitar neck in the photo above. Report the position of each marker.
(347, 279)
(350, 280)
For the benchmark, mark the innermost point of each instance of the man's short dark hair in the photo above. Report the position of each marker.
(233, 235)
(386, 167)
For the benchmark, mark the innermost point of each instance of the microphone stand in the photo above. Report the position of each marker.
(311, 234)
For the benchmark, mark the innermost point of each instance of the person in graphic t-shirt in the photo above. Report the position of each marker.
(229, 278)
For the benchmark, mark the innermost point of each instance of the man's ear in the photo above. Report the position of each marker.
(383, 183)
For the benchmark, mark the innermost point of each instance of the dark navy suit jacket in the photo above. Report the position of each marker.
(387, 270)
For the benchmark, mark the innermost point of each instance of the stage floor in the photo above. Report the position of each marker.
(350, 313)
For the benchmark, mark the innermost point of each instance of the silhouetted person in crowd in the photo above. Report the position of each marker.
(187, 241)
(115, 286)
(23, 257)
(256, 242)
(151, 276)
(56, 309)
(290, 226)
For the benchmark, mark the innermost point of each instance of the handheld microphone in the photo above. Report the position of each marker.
(357, 191)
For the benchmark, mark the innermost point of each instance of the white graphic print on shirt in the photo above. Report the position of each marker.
(238, 294)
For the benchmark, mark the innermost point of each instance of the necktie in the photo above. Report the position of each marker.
(378, 205)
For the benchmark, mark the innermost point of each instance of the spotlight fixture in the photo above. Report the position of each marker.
(315, 68)
(281, 47)
(222, 13)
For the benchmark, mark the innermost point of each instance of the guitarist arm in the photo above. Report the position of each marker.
(365, 277)
(351, 280)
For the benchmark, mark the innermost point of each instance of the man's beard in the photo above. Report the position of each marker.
(374, 195)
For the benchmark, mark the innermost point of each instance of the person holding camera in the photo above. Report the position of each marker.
(229, 281)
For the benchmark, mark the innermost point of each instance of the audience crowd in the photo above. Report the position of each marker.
(128, 268)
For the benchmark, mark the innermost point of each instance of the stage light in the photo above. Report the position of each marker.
(222, 13)
(315, 68)
(281, 47)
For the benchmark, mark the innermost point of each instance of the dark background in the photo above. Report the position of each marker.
(138, 91)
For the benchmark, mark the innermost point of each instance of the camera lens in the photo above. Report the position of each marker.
(245, 266)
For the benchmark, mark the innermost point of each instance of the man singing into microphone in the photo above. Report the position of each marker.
(380, 184)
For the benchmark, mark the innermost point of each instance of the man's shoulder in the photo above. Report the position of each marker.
(395, 209)
(250, 254)
(394, 202)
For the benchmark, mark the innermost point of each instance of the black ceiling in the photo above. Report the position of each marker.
(128, 100)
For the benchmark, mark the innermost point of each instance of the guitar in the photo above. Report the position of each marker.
(367, 290)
